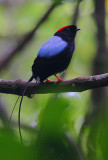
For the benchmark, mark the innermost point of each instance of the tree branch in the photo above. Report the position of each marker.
(78, 84)
(76, 13)
(24, 40)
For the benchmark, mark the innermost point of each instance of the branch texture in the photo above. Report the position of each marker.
(78, 84)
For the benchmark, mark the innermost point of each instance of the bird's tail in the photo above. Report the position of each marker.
(32, 77)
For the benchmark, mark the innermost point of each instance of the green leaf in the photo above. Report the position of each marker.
(52, 141)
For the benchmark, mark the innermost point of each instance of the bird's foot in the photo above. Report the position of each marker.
(58, 79)
(47, 80)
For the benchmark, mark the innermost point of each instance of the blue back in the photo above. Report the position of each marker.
(52, 47)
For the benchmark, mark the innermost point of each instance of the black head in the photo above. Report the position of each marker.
(68, 33)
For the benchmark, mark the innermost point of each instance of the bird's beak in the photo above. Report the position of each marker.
(77, 29)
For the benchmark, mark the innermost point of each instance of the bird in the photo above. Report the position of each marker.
(55, 54)
(53, 57)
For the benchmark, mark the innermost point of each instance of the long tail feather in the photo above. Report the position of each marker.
(13, 110)
(20, 107)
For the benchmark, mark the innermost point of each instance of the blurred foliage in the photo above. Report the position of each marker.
(56, 119)
(52, 141)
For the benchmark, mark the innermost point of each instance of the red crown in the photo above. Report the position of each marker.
(64, 27)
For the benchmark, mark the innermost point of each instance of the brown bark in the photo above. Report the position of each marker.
(78, 84)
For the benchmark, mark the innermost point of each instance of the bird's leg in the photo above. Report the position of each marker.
(47, 80)
(58, 79)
